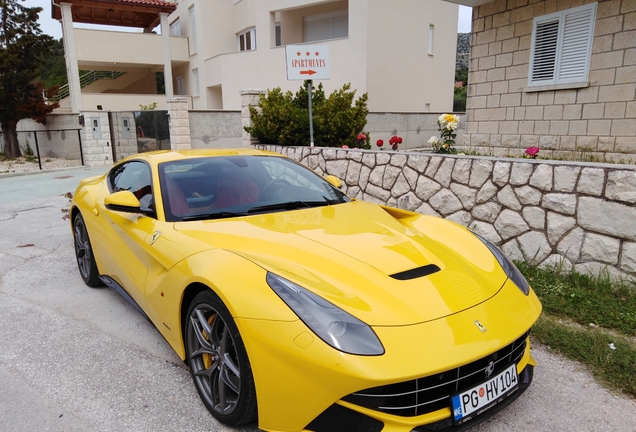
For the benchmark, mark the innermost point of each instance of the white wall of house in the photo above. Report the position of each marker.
(385, 53)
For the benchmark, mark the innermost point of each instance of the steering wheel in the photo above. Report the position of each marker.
(272, 187)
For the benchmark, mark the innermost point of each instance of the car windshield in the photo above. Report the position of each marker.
(229, 186)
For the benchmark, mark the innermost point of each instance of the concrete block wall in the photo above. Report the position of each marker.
(596, 122)
(571, 214)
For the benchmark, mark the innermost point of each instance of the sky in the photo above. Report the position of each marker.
(54, 28)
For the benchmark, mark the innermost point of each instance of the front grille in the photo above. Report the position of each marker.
(428, 394)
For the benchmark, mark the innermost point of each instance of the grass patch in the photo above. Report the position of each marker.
(585, 299)
(591, 346)
(571, 301)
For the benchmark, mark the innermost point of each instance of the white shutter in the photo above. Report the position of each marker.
(562, 46)
(578, 27)
(545, 51)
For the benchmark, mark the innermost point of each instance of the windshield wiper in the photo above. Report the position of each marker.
(290, 205)
(216, 215)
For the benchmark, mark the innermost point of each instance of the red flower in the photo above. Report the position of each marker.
(532, 151)
(395, 141)
(379, 143)
(362, 137)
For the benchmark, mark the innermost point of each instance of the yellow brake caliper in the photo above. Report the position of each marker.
(207, 358)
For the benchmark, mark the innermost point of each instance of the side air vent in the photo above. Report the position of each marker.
(416, 272)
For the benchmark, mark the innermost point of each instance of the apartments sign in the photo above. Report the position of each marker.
(307, 62)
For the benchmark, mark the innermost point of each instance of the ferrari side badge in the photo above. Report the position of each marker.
(156, 235)
(480, 326)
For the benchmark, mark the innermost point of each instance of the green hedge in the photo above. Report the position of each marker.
(283, 118)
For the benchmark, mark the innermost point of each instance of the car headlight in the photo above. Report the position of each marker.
(511, 270)
(336, 327)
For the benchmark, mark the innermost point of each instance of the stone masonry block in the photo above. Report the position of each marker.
(606, 60)
(625, 145)
(599, 127)
(559, 127)
(626, 39)
(542, 127)
(572, 112)
(565, 97)
(593, 111)
(608, 25)
(602, 44)
(602, 77)
(623, 128)
(553, 112)
(626, 75)
(616, 93)
(546, 98)
(607, 9)
(615, 110)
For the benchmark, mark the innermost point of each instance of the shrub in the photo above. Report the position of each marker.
(283, 118)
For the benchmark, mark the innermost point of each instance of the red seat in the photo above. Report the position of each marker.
(236, 189)
(177, 201)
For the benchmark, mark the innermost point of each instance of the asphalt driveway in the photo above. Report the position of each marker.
(74, 358)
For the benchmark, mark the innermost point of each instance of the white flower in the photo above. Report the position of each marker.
(612, 346)
(432, 140)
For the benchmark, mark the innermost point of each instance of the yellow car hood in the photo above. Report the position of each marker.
(347, 253)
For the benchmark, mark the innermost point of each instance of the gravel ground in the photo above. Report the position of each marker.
(21, 165)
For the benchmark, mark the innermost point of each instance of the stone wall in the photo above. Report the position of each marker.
(593, 122)
(575, 215)
(215, 129)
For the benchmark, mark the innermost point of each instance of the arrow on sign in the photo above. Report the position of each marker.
(307, 72)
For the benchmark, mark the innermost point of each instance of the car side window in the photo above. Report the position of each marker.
(135, 177)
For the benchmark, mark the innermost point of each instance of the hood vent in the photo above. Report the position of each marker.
(416, 272)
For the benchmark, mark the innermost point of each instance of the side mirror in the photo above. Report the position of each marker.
(334, 181)
(123, 201)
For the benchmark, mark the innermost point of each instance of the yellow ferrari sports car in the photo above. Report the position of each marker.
(298, 307)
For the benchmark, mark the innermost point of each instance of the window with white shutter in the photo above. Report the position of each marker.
(562, 46)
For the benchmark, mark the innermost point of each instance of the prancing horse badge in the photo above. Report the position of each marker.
(480, 326)
(155, 236)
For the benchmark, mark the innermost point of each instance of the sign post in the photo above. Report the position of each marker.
(308, 62)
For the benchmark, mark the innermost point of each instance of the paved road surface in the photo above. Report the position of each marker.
(74, 358)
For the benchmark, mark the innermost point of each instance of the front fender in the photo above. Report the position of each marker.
(239, 283)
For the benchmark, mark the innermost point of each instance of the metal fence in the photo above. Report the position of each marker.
(60, 148)
(152, 130)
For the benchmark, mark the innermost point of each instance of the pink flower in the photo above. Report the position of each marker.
(362, 137)
(532, 151)
(345, 146)
(379, 143)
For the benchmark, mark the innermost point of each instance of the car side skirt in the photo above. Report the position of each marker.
(112, 284)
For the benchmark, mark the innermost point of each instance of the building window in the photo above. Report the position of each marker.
(278, 38)
(175, 28)
(195, 78)
(193, 30)
(247, 40)
(562, 46)
(180, 81)
(431, 38)
(326, 26)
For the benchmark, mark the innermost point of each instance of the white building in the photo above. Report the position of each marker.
(402, 52)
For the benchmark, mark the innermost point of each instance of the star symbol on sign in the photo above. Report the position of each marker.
(298, 53)
(317, 53)
(308, 53)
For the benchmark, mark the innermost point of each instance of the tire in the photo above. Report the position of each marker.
(84, 253)
(218, 362)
